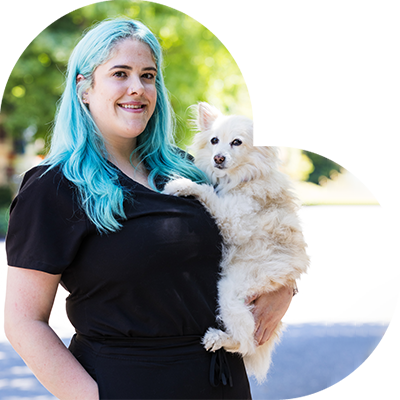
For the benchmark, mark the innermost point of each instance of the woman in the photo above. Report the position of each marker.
(141, 267)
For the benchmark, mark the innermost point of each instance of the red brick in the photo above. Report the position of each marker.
(389, 3)
(386, 19)
(386, 64)
(386, 108)
(390, 172)
(385, 154)
(390, 130)
(374, 86)
(390, 86)
(391, 42)
(374, 42)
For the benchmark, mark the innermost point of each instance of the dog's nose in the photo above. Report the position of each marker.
(219, 159)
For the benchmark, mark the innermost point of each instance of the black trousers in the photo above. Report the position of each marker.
(161, 368)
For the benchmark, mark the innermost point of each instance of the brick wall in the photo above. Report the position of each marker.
(385, 87)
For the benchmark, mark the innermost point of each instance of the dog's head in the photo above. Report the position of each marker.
(224, 148)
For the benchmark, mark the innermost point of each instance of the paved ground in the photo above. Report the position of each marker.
(352, 280)
(311, 358)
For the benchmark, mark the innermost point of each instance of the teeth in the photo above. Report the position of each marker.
(129, 106)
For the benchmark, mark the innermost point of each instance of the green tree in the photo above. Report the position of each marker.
(197, 67)
(35, 38)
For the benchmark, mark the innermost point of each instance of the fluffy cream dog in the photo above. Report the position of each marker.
(257, 214)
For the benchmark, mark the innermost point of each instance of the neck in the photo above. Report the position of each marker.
(120, 154)
(120, 149)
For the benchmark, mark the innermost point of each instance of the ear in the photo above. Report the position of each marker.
(80, 78)
(265, 127)
(206, 115)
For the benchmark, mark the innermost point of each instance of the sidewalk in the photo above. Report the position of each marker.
(345, 303)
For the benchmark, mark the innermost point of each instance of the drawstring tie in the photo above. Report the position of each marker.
(219, 369)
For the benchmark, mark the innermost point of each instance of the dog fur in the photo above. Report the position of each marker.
(256, 211)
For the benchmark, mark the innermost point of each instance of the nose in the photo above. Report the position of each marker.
(219, 159)
(136, 86)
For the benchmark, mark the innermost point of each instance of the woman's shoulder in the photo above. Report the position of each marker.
(46, 222)
(41, 175)
(43, 180)
(47, 189)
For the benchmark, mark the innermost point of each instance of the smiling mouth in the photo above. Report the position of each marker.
(131, 106)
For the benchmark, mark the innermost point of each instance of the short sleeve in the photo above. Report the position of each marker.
(46, 225)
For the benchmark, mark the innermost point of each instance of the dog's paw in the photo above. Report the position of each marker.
(214, 339)
(180, 187)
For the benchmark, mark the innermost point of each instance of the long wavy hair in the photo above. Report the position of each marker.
(77, 145)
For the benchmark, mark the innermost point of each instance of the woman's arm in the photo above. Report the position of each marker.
(269, 309)
(29, 300)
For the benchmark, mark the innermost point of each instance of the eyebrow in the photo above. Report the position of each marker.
(130, 68)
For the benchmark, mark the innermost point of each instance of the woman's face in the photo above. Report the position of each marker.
(123, 95)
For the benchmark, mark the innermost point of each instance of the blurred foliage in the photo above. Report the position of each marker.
(214, 51)
(304, 92)
(322, 168)
(197, 66)
(4, 216)
(35, 38)
(6, 196)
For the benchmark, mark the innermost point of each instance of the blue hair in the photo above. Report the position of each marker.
(77, 145)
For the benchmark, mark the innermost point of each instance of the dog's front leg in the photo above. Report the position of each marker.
(204, 193)
(215, 339)
(238, 321)
(235, 314)
(181, 187)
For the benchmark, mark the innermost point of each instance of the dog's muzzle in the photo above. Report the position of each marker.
(219, 161)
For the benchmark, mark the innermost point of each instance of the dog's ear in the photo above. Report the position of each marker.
(265, 127)
(206, 115)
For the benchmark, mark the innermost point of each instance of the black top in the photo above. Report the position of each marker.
(157, 276)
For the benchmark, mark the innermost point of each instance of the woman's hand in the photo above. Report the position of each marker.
(269, 309)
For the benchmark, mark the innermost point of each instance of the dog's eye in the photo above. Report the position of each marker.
(236, 142)
(214, 140)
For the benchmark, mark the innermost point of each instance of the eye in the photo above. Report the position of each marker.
(214, 140)
(149, 76)
(120, 74)
(236, 142)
